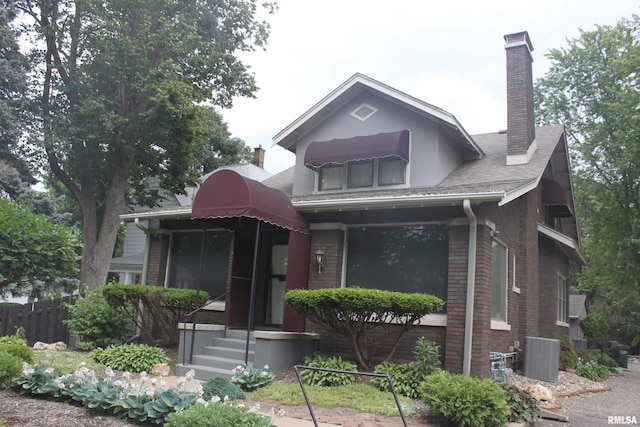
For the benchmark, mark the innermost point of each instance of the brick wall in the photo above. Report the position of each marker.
(158, 255)
(332, 243)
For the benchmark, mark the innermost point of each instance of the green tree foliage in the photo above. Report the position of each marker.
(596, 331)
(13, 69)
(123, 92)
(33, 249)
(593, 88)
(366, 318)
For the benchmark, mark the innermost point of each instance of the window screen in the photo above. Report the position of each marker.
(185, 261)
(401, 258)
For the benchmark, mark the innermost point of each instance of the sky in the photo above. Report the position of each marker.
(448, 53)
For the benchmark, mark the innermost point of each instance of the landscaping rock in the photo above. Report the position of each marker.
(160, 370)
(540, 392)
(39, 345)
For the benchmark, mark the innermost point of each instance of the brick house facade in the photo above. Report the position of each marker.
(502, 202)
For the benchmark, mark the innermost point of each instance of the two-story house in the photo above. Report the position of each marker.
(391, 192)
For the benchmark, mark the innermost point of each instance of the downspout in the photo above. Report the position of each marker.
(145, 230)
(471, 279)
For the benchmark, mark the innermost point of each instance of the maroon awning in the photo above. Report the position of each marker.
(554, 197)
(340, 151)
(227, 194)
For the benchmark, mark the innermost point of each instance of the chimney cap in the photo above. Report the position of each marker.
(518, 39)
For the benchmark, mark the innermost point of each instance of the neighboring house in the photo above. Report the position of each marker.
(578, 310)
(396, 195)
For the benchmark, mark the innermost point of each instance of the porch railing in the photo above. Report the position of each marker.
(192, 315)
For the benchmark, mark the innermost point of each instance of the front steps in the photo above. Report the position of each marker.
(218, 352)
(218, 357)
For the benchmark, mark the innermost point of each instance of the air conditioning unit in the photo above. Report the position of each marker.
(542, 358)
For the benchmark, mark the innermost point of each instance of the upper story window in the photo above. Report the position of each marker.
(360, 162)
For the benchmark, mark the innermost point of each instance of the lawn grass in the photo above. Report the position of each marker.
(65, 362)
(364, 398)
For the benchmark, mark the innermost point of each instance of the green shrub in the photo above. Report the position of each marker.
(523, 406)
(24, 352)
(408, 376)
(10, 367)
(602, 358)
(370, 311)
(216, 414)
(568, 355)
(325, 378)
(96, 322)
(250, 378)
(592, 370)
(130, 357)
(221, 387)
(155, 310)
(465, 401)
(14, 339)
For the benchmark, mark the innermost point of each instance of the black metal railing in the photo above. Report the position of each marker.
(192, 315)
(369, 374)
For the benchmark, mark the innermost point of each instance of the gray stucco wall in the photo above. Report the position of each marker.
(433, 155)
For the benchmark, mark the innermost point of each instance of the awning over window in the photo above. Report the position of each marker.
(227, 194)
(340, 151)
(555, 198)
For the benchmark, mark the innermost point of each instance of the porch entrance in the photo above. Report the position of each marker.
(270, 284)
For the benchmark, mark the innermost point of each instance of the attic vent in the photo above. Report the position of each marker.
(364, 111)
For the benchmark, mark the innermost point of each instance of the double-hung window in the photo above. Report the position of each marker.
(561, 300)
(499, 284)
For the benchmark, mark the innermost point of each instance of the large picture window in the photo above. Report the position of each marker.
(185, 261)
(411, 258)
(499, 282)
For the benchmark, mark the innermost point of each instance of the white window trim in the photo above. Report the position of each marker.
(561, 322)
(364, 105)
(514, 287)
(345, 178)
(499, 325)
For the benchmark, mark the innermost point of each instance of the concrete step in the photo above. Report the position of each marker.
(225, 352)
(231, 343)
(219, 362)
(202, 372)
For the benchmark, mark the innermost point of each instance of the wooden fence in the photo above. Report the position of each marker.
(42, 321)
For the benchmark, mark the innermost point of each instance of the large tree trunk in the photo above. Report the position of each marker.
(99, 243)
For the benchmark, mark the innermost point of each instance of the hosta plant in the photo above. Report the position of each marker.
(130, 357)
(328, 378)
(250, 378)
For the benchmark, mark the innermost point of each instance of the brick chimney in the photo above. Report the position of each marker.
(521, 133)
(258, 156)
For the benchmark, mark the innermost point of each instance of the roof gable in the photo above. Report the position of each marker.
(354, 86)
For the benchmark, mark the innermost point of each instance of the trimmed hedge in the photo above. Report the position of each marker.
(354, 312)
(156, 306)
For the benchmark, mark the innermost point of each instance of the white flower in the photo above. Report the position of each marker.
(126, 375)
(266, 367)
(181, 381)
(215, 399)
(154, 381)
(150, 393)
(48, 371)
(109, 372)
(191, 374)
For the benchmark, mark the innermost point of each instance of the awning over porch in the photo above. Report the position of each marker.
(340, 151)
(227, 194)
